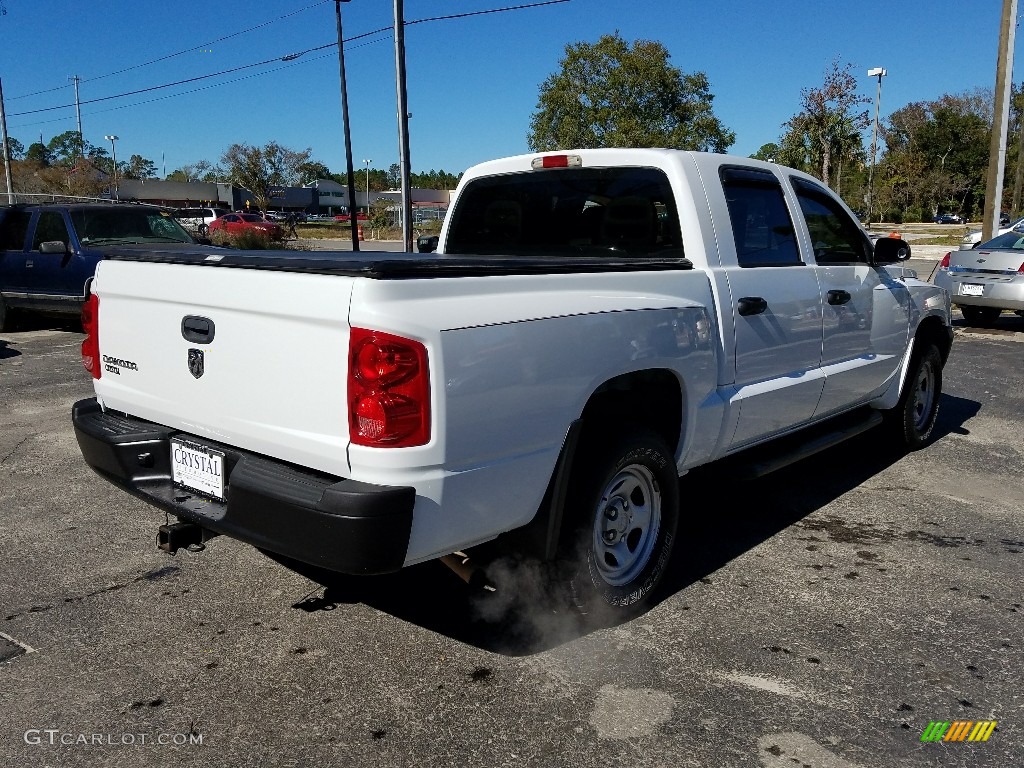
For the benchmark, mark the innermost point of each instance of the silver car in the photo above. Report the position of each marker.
(984, 281)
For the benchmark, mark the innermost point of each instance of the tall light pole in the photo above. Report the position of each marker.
(113, 154)
(348, 135)
(367, 162)
(879, 73)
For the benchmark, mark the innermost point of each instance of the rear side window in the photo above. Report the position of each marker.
(761, 225)
(836, 238)
(13, 229)
(568, 212)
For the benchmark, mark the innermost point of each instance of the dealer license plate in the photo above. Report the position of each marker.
(972, 289)
(198, 468)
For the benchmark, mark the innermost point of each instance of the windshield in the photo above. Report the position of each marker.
(127, 225)
(1006, 241)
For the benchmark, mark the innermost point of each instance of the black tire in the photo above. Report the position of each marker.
(204, 230)
(6, 316)
(980, 317)
(623, 511)
(914, 417)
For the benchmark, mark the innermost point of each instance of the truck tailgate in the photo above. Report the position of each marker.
(248, 357)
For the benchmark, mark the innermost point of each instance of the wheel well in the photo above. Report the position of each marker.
(653, 398)
(933, 331)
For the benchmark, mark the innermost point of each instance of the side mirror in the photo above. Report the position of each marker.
(53, 246)
(889, 250)
(426, 243)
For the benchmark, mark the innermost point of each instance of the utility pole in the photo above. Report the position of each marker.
(352, 219)
(78, 111)
(997, 146)
(403, 125)
(879, 73)
(6, 147)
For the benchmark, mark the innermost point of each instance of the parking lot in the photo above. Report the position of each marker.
(820, 617)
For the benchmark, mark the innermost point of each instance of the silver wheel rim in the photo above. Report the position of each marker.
(626, 525)
(924, 397)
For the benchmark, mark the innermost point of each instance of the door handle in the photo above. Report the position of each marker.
(751, 305)
(836, 297)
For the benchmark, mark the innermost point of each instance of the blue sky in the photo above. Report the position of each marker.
(473, 82)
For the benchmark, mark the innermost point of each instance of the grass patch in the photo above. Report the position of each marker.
(951, 239)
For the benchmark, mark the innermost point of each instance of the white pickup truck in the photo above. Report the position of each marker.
(594, 324)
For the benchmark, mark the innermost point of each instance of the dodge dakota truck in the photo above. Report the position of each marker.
(593, 325)
(48, 253)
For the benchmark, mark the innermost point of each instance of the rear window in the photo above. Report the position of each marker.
(568, 212)
(13, 229)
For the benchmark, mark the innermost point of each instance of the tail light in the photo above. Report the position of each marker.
(388, 390)
(944, 264)
(91, 343)
(1020, 269)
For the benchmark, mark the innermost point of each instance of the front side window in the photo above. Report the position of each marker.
(568, 212)
(761, 225)
(835, 237)
(49, 228)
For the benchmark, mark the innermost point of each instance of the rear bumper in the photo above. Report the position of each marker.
(1005, 294)
(330, 522)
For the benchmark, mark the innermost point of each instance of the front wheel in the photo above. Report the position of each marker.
(5, 316)
(914, 417)
(624, 510)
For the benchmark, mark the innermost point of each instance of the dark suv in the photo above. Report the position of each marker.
(48, 253)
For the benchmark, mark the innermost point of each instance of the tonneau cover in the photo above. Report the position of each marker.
(384, 265)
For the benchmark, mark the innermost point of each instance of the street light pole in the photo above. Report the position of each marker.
(879, 73)
(367, 185)
(113, 154)
(348, 134)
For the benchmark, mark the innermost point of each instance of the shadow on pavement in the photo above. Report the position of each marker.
(6, 351)
(722, 519)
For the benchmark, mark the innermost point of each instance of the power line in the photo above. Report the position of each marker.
(287, 57)
(173, 55)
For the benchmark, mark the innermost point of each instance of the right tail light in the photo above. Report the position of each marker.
(388, 390)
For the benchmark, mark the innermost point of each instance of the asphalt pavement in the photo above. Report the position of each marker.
(821, 617)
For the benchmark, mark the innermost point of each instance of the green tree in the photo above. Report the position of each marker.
(38, 153)
(611, 94)
(137, 167)
(16, 149)
(257, 169)
(827, 128)
(312, 170)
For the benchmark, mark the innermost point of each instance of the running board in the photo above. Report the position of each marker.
(762, 460)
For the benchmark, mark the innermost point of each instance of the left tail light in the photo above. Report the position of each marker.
(388, 390)
(91, 343)
(944, 264)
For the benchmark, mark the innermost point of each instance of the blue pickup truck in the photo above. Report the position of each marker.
(48, 253)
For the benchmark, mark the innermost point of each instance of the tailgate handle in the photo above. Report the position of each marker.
(196, 329)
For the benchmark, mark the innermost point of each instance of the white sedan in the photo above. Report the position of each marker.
(971, 239)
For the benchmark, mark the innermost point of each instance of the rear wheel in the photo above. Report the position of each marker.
(981, 317)
(914, 417)
(624, 509)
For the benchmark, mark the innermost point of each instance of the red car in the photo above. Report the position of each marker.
(345, 217)
(236, 223)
